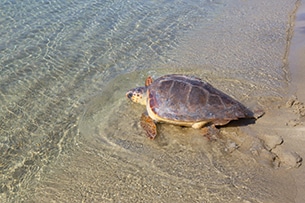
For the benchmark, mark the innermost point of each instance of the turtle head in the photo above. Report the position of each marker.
(137, 95)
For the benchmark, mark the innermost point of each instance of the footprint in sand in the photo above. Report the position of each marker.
(281, 157)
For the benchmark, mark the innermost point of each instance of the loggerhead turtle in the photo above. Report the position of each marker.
(186, 101)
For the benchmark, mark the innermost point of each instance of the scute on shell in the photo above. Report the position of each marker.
(187, 98)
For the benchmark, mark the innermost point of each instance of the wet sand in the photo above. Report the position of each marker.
(281, 129)
(112, 161)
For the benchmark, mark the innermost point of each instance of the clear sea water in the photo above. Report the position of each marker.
(67, 134)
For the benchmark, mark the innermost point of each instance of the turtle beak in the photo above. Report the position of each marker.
(129, 94)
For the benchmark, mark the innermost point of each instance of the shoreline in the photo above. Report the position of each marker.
(297, 47)
(283, 99)
(296, 64)
(111, 160)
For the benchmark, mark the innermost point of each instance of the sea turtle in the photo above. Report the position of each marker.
(186, 101)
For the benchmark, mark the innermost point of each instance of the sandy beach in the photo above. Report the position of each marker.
(282, 128)
(68, 133)
(295, 134)
(247, 59)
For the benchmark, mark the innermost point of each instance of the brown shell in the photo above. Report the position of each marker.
(186, 98)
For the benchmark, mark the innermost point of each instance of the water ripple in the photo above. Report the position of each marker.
(54, 55)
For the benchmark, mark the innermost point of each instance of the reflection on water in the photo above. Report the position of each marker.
(68, 134)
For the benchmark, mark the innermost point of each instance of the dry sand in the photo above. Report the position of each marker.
(294, 131)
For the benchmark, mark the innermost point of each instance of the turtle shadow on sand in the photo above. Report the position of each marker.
(241, 122)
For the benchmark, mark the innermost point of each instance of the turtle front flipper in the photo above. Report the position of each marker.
(148, 81)
(149, 126)
(211, 132)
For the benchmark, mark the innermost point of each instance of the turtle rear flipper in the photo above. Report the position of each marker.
(257, 113)
(149, 126)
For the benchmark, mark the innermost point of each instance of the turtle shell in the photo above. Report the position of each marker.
(189, 99)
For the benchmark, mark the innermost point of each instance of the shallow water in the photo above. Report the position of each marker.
(67, 132)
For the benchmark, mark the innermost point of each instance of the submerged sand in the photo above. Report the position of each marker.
(247, 57)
